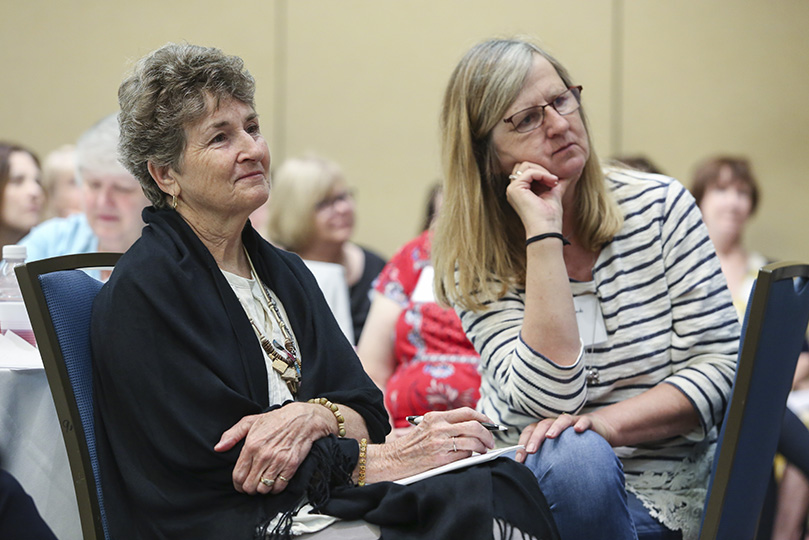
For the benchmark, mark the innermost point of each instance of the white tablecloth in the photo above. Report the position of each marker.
(32, 448)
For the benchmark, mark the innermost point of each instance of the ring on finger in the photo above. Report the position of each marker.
(512, 177)
(279, 477)
(267, 481)
(454, 448)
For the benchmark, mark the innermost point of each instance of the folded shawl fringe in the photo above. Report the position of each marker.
(499, 499)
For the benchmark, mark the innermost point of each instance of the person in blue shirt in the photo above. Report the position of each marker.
(111, 196)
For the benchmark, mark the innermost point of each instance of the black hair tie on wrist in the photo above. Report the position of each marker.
(537, 238)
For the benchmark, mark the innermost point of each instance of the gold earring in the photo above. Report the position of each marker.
(173, 201)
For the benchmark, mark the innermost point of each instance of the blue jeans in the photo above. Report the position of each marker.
(583, 481)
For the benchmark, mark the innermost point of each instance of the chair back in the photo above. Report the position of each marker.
(772, 334)
(59, 299)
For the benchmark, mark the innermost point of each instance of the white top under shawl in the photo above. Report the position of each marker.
(248, 291)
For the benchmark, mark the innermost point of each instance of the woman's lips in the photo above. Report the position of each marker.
(250, 175)
(563, 148)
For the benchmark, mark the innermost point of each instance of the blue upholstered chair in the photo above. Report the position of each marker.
(773, 331)
(59, 299)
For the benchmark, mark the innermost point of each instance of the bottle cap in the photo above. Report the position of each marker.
(15, 252)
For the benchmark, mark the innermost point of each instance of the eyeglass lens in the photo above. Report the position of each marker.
(531, 118)
(329, 202)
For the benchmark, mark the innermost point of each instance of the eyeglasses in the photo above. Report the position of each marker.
(329, 202)
(531, 118)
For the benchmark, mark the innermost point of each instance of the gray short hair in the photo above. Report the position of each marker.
(166, 91)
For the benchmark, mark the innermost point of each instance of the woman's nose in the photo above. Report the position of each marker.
(35, 190)
(254, 148)
(554, 123)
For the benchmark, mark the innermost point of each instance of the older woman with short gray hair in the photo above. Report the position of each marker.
(227, 398)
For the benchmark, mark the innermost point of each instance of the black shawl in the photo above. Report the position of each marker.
(176, 363)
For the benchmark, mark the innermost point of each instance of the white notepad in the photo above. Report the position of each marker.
(460, 464)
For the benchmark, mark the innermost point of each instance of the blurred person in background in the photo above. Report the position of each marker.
(727, 193)
(637, 162)
(112, 202)
(312, 213)
(62, 191)
(435, 197)
(414, 349)
(21, 196)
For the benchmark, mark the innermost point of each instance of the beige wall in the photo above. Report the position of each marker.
(361, 81)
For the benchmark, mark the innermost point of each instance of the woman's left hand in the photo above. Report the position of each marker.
(535, 434)
(441, 438)
(275, 444)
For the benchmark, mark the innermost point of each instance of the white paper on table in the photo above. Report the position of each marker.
(16, 353)
(460, 464)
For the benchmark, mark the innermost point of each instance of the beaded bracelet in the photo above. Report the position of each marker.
(565, 241)
(341, 423)
(363, 445)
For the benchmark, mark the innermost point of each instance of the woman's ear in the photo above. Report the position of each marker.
(163, 176)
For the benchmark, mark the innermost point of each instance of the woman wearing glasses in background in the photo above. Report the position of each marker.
(607, 335)
(311, 212)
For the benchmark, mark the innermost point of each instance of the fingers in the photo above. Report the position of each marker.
(527, 172)
(235, 434)
(525, 437)
(454, 416)
(268, 473)
(534, 435)
(269, 483)
(270, 463)
(274, 445)
(462, 423)
(561, 423)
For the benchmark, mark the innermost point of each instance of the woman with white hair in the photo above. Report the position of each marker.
(112, 202)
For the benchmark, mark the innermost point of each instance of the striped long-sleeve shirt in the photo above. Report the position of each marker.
(669, 319)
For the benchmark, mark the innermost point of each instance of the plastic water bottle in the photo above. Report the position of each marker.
(13, 315)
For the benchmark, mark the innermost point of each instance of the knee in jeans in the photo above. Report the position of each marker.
(586, 456)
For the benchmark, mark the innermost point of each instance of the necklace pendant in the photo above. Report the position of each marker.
(280, 366)
(290, 376)
(290, 347)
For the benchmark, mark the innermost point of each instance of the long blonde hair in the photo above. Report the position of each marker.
(478, 248)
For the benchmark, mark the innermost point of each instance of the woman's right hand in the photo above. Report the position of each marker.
(536, 196)
(275, 444)
(441, 437)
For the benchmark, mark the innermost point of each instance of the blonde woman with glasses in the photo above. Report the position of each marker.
(606, 332)
(312, 213)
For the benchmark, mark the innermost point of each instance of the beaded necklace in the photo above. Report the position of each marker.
(284, 359)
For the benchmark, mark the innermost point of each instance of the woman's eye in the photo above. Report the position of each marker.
(218, 138)
(530, 119)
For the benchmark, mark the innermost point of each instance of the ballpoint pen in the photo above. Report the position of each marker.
(416, 420)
